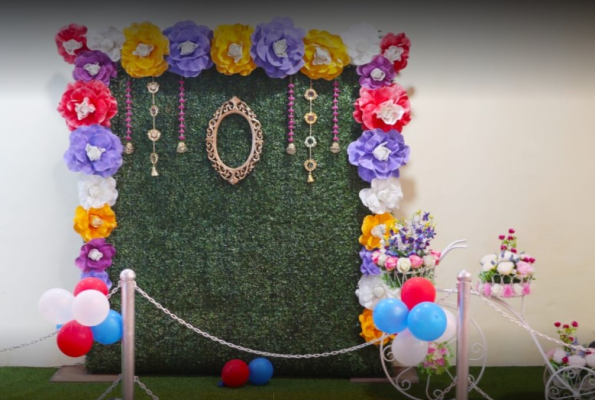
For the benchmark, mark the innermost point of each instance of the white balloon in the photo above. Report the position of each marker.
(55, 305)
(409, 350)
(451, 327)
(90, 307)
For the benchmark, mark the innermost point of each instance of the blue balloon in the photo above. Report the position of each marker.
(427, 321)
(261, 371)
(390, 315)
(110, 330)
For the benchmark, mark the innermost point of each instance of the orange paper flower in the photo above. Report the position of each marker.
(144, 50)
(371, 228)
(325, 55)
(230, 49)
(369, 331)
(94, 223)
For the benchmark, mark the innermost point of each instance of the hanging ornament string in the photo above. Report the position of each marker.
(181, 144)
(154, 134)
(335, 148)
(291, 118)
(310, 142)
(129, 148)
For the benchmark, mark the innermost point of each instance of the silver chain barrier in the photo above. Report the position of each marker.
(481, 392)
(114, 290)
(234, 346)
(41, 339)
(147, 390)
(448, 389)
(109, 389)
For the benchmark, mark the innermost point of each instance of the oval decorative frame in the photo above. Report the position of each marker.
(234, 106)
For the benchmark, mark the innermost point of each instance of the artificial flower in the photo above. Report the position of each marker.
(362, 43)
(369, 330)
(95, 191)
(496, 289)
(109, 40)
(384, 196)
(230, 49)
(375, 228)
(95, 255)
(71, 40)
(524, 268)
(505, 267)
(417, 261)
(391, 263)
(94, 150)
(325, 55)
(396, 49)
(517, 288)
(94, 65)
(278, 47)
(87, 103)
(144, 50)
(437, 256)
(95, 222)
(99, 275)
(385, 108)
(430, 260)
(507, 291)
(403, 265)
(371, 289)
(368, 266)
(378, 155)
(377, 73)
(189, 48)
(576, 361)
(590, 360)
(486, 288)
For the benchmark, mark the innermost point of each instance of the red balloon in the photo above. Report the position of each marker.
(91, 283)
(235, 373)
(74, 339)
(417, 290)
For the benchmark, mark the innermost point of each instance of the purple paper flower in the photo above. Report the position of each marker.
(278, 47)
(95, 255)
(377, 73)
(368, 267)
(94, 65)
(97, 274)
(378, 154)
(94, 150)
(189, 48)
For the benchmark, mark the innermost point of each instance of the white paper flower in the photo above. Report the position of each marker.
(517, 289)
(108, 40)
(371, 289)
(385, 195)
(505, 267)
(497, 289)
(508, 256)
(558, 355)
(382, 259)
(404, 264)
(363, 43)
(576, 361)
(95, 191)
(489, 258)
(590, 359)
(429, 261)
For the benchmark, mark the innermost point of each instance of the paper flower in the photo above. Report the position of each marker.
(109, 40)
(369, 331)
(94, 150)
(371, 289)
(99, 275)
(95, 191)
(87, 103)
(144, 50)
(325, 55)
(378, 154)
(230, 49)
(95, 255)
(385, 108)
(384, 196)
(396, 49)
(362, 43)
(94, 65)
(368, 266)
(71, 40)
(189, 48)
(374, 228)
(95, 222)
(377, 73)
(278, 47)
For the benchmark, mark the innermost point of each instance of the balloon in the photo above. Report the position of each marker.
(416, 290)
(261, 371)
(110, 330)
(390, 315)
(74, 339)
(408, 350)
(451, 326)
(235, 373)
(55, 305)
(90, 307)
(427, 321)
(91, 284)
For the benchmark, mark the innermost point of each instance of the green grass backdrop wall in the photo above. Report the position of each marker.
(270, 263)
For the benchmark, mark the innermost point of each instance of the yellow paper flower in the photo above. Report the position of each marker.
(371, 227)
(144, 51)
(325, 55)
(369, 331)
(94, 223)
(230, 49)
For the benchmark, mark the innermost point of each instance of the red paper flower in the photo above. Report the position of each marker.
(71, 40)
(385, 108)
(396, 49)
(87, 103)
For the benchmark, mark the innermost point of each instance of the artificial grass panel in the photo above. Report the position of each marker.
(270, 263)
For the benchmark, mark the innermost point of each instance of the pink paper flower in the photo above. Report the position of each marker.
(524, 268)
(416, 261)
(436, 255)
(71, 40)
(385, 108)
(391, 263)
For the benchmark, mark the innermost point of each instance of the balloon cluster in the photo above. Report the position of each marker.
(236, 373)
(82, 317)
(416, 320)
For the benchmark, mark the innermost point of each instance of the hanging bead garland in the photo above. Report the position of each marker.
(335, 148)
(291, 118)
(310, 142)
(154, 134)
(129, 148)
(182, 148)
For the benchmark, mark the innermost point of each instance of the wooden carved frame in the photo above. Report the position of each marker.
(234, 106)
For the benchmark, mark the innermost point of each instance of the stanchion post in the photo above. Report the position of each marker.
(127, 278)
(464, 295)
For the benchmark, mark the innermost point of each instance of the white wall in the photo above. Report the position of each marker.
(502, 136)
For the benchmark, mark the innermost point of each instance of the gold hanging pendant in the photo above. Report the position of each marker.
(335, 148)
(182, 148)
(129, 148)
(310, 165)
(154, 160)
(290, 148)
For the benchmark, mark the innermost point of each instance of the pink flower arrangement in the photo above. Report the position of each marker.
(71, 40)
(438, 359)
(385, 108)
(87, 103)
(395, 48)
